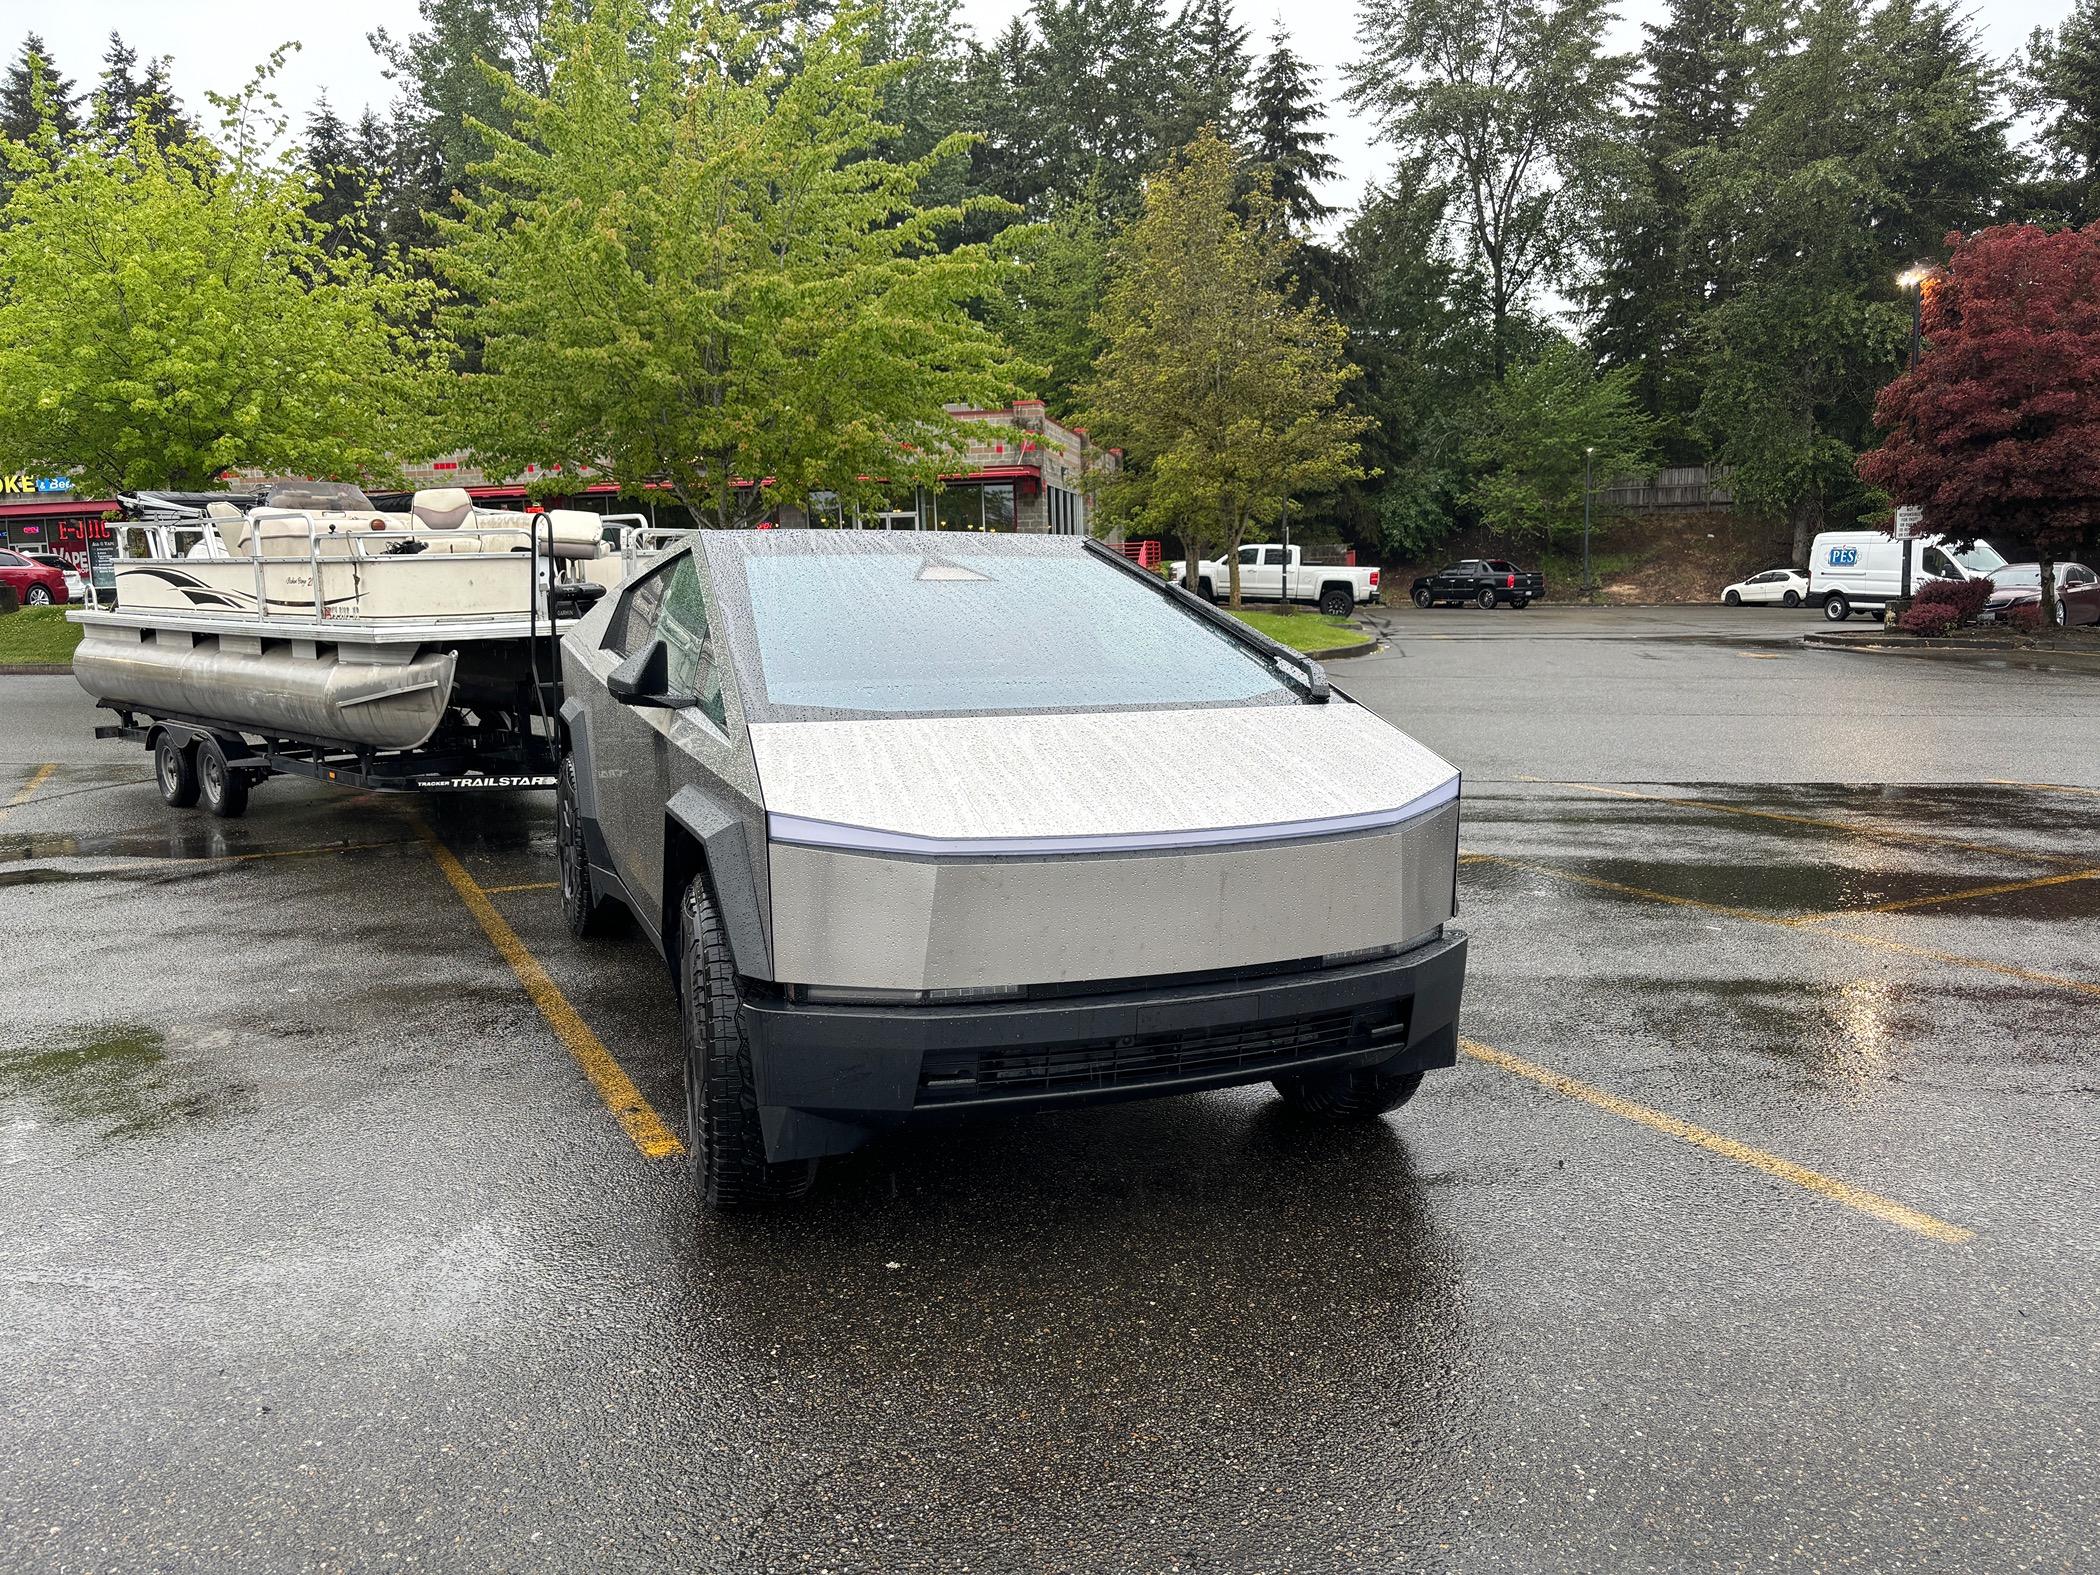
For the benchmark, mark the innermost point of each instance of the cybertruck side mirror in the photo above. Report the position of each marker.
(644, 679)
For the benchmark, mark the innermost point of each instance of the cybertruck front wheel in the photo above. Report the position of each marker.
(585, 912)
(725, 1144)
(1350, 1094)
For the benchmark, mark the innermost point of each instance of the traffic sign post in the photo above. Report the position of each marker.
(1910, 525)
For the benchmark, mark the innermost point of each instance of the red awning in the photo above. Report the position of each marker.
(72, 508)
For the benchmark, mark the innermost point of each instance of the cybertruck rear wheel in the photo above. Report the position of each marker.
(1350, 1094)
(724, 1143)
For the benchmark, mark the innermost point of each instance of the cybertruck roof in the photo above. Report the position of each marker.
(964, 695)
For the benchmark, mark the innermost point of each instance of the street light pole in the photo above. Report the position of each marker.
(1913, 280)
(1588, 587)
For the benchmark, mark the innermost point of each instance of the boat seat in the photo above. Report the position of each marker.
(284, 534)
(445, 509)
(578, 533)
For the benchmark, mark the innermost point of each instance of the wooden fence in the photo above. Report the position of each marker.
(1676, 487)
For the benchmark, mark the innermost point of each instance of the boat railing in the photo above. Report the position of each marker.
(167, 540)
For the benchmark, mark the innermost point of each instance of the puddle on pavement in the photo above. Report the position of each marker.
(114, 1075)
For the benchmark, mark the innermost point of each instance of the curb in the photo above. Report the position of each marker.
(1973, 651)
(1341, 653)
(35, 669)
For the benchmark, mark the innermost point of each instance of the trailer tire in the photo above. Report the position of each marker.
(587, 913)
(1351, 1094)
(175, 770)
(223, 789)
(725, 1144)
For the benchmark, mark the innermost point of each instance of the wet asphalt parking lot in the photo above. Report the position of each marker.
(1759, 1228)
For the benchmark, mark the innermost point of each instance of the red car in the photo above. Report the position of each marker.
(34, 584)
(2020, 585)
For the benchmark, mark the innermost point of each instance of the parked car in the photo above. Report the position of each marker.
(34, 584)
(76, 587)
(1862, 570)
(1786, 587)
(927, 826)
(1486, 582)
(2020, 585)
(1271, 573)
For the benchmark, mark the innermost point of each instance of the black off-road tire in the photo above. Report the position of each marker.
(1731, 598)
(725, 1145)
(175, 770)
(1424, 600)
(1350, 1094)
(1337, 601)
(223, 790)
(1521, 603)
(1206, 590)
(586, 912)
(1486, 598)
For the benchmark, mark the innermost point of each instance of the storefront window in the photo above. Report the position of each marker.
(959, 509)
(999, 506)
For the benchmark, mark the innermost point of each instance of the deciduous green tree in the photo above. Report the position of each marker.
(1049, 302)
(687, 262)
(171, 312)
(1225, 394)
(1529, 438)
(1511, 101)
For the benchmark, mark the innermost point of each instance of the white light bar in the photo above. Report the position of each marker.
(804, 832)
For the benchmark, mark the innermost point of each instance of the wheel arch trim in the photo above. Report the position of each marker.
(719, 849)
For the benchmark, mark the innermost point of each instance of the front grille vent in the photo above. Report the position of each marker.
(948, 1077)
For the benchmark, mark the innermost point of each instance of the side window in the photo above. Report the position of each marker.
(1937, 562)
(670, 604)
(1249, 556)
(9, 560)
(1272, 557)
(2079, 574)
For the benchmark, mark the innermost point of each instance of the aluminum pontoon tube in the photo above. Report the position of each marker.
(391, 705)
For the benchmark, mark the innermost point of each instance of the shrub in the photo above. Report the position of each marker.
(1927, 618)
(1963, 598)
(2027, 617)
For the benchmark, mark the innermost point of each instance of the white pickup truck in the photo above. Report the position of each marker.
(1269, 573)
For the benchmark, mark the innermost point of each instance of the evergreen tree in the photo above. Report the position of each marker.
(925, 99)
(119, 90)
(1286, 136)
(342, 189)
(1213, 68)
(2060, 87)
(1654, 276)
(33, 92)
(1006, 161)
(1941, 151)
(1099, 96)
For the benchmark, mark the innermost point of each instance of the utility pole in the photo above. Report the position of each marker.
(1588, 456)
(1283, 577)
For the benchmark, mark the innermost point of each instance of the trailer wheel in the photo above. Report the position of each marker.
(724, 1142)
(175, 769)
(1349, 1094)
(581, 905)
(224, 790)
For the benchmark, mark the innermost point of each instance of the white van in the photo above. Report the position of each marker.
(1862, 570)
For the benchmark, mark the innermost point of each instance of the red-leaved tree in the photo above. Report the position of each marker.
(1998, 428)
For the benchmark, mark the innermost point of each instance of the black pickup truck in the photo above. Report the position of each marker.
(1486, 582)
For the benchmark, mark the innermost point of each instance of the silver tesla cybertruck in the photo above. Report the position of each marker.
(926, 824)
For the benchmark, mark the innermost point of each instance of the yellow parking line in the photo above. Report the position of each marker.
(614, 1086)
(37, 779)
(1887, 1210)
(1801, 925)
(1905, 836)
(530, 885)
(1908, 903)
(2046, 787)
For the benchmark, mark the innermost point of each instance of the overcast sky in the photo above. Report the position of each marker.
(216, 42)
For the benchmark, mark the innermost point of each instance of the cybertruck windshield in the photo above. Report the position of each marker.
(837, 624)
